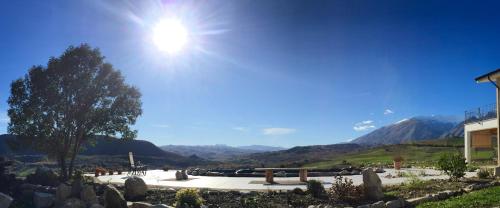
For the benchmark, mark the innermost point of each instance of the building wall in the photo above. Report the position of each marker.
(474, 127)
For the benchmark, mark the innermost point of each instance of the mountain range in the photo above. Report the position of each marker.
(219, 152)
(413, 129)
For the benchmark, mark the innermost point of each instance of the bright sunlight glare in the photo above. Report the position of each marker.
(170, 36)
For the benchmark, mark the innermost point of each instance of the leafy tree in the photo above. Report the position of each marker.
(453, 165)
(58, 108)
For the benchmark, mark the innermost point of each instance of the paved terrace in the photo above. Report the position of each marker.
(160, 178)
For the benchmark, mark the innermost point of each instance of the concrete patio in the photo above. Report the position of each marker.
(166, 179)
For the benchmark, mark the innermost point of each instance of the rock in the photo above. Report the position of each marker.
(113, 198)
(27, 189)
(87, 195)
(135, 188)
(140, 205)
(76, 188)
(43, 176)
(184, 175)
(178, 176)
(43, 200)
(372, 185)
(364, 206)
(355, 172)
(496, 171)
(73, 203)
(96, 206)
(5, 200)
(63, 192)
(379, 204)
(379, 170)
(394, 204)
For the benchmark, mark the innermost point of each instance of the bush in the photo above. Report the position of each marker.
(483, 173)
(298, 191)
(315, 188)
(453, 165)
(471, 168)
(343, 190)
(188, 198)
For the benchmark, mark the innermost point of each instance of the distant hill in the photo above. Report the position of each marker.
(408, 130)
(113, 147)
(217, 152)
(296, 156)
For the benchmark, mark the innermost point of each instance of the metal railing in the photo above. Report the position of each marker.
(480, 114)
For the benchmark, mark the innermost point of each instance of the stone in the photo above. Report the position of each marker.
(379, 170)
(87, 195)
(73, 203)
(63, 192)
(76, 187)
(372, 185)
(178, 175)
(135, 188)
(96, 206)
(379, 204)
(184, 175)
(141, 205)
(43, 176)
(27, 189)
(394, 204)
(364, 206)
(43, 200)
(5, 200)
(113, 198)
(355, 172)
(345, 172)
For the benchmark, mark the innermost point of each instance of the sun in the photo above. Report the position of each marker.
(170, 35)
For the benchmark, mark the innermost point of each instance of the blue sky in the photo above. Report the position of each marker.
(265, 72)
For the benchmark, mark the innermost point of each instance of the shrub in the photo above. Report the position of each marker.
(187, 198)
(453, 165)
(415, 183)
(298, 191)
(343, 190)
(483, 173)
(471, 168)
(315, 188)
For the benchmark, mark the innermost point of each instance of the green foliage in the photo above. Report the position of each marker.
(415, 183)
(483, 173)
(57, 108)
(315, 188)
(343, 190)
(188, 198)
(489, 197)
(298, 191)
(471, 168)
(453, 165)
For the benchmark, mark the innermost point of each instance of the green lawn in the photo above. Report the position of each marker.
(489, 197)
(420, 154)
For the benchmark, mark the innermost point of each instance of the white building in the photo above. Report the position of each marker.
(481, 125)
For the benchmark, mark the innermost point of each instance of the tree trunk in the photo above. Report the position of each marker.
(62, 164)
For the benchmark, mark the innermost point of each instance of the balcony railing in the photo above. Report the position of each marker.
(480, 114)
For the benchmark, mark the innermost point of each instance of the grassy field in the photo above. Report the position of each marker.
(489, 197)
(422, 153)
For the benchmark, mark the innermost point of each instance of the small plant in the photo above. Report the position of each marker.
(343, 190)
(483, 173)
(298, 191)
(188, 198)
(453, 165)
(315, 188)
(398, 158)
(415, 183)
(471, 168)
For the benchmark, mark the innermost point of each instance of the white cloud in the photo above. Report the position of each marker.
(278, 131)
(364, 125)
(388, 111)
(161, 126)
(240, 128)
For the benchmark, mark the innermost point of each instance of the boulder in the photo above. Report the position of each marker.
(398, 203)
(135, 188)
(63, 192)
(43, 200)
(43, 176)
(96, 206)
(73, 203)
(87, 195)
(178, 176)
(379, 204)
(184, 175)
(141, 205)
(5, 200)
(113, 198)
(372, 185)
